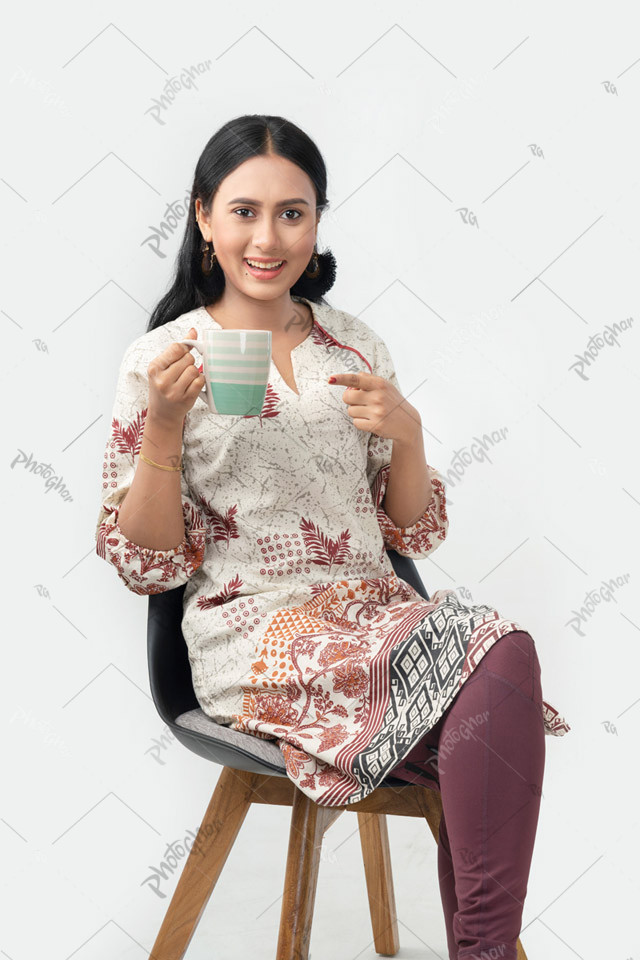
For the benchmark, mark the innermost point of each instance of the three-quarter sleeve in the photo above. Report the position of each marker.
(427, 533)
(142, 569)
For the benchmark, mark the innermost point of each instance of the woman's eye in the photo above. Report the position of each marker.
(291, 210)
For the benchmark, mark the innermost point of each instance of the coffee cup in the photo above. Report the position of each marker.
(236, 366)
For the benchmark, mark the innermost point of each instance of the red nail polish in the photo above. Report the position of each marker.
(332, 379)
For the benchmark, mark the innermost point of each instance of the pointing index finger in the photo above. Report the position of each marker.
(360, 381)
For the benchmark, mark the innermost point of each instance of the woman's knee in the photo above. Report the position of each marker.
(514, 658)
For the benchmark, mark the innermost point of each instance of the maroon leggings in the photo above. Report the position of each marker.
(486, 756)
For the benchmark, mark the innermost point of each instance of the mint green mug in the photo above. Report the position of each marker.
(236, 366)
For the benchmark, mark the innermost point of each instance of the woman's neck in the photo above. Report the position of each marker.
(289, 320)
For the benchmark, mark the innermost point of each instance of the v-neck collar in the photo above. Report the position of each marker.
(292, 353)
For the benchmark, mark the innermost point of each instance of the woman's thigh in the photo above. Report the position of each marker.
(513, 662)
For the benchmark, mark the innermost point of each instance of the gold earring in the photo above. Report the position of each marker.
(316, 266)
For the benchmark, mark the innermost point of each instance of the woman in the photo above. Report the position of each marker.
(298, 628)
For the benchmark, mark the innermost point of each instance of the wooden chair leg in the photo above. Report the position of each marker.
(308, 824)
(374, 839)
(225, 815)
(431, 803)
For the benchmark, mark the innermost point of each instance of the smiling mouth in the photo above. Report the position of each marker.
(264, 265)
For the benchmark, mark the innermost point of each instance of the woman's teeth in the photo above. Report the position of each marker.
(265, 266)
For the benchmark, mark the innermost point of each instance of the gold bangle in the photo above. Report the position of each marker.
(160, 465)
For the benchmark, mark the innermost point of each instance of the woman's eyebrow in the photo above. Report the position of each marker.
(256, 203)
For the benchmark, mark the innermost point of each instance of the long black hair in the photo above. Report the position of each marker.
(238, 140)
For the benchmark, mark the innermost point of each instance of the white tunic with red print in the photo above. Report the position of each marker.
(297, 627)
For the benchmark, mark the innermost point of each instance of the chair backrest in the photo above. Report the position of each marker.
(168, 656)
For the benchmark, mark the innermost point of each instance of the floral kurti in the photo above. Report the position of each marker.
(297, 627)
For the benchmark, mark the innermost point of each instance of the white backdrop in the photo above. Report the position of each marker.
(484, 187)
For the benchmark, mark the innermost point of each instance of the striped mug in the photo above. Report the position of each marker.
(236, 366)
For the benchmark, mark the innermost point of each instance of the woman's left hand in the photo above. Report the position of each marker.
(378, 407)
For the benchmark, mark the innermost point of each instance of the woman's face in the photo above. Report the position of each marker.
(265, 208)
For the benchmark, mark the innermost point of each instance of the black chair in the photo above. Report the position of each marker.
(254, 772)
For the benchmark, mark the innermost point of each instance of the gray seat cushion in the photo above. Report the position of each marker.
(263, 750)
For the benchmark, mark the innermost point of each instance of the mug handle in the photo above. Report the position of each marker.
(199, 346)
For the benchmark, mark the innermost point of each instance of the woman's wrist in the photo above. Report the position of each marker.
(162, 440)
(413, 433)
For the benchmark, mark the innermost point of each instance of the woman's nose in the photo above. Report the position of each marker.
(266, 237)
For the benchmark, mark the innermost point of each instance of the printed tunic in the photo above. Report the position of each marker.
(297, 627)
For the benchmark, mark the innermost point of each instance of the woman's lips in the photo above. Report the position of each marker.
(261, 272)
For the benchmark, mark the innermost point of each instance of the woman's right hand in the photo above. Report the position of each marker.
(174, 382)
